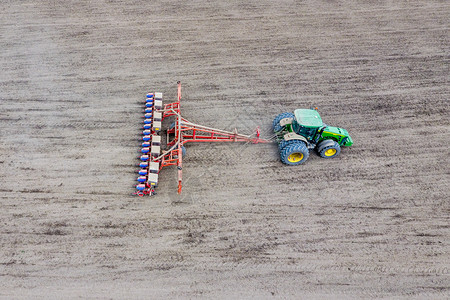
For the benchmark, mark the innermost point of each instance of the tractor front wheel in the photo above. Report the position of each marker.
(329, 150)
(294, 154)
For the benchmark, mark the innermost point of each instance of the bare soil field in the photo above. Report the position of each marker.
(371, 223)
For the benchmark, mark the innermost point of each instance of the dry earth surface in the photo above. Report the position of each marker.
(372, 223)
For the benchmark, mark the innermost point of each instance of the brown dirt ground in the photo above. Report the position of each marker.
(372, 223)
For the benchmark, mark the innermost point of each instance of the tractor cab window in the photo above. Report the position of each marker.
(295, 126)
(309, 133)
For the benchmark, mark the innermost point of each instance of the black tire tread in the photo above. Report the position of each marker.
(299, 146)
(322, 150)
(276, 122)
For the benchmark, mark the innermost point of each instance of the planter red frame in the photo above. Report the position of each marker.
(184, 132)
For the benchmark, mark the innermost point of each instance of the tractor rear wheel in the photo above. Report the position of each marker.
(329, 150)
(294, 154)
(276, 122)
(284, 143)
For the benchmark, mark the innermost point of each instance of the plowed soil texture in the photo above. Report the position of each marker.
(370, 223)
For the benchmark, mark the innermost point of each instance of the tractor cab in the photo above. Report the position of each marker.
(307, 122)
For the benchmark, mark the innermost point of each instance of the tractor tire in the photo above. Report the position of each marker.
(294, 154)
(328, 149)
(284, 143)
(276, 122)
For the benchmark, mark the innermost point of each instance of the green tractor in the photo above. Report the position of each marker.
(299, 132)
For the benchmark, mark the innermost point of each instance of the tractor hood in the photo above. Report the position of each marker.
(340, 134)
